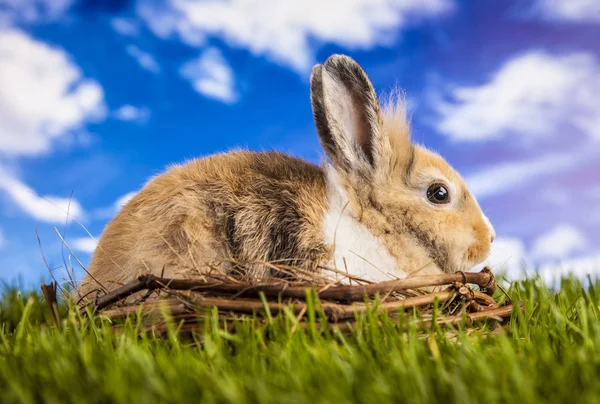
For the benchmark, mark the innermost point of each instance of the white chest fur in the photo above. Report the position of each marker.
(357, 251)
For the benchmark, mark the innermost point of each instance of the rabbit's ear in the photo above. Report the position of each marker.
(347, 114)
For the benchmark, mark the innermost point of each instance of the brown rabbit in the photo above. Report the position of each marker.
(383, 208)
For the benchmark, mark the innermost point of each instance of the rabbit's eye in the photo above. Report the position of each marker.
(438, 194)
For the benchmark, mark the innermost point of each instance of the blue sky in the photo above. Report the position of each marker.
(98, 96)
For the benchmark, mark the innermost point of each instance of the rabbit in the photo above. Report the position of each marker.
(381, 208)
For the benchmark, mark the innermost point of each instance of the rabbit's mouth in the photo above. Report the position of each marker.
(475, 255)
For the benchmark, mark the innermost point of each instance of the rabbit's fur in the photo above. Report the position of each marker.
(366, 213)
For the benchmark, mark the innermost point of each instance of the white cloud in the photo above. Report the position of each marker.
(515, 174)
(84, 244)
(32, 11)
(130, 113)
(286, 31)
(125, 26)
(144, 59)
(51, 209)
(579, 267)
(211, 76)
(2, 239)
(110, 211)
(122, 201)
(559, 243)
(509, 257)
(532, 95)
(568, 10)
(43, 95)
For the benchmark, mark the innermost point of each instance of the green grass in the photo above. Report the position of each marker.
(552, 353)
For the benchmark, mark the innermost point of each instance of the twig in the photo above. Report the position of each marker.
(37, 234)
(499, 314)
(483, 279)
(340, 304)
(77, 259)
(68, 269)
(49, 292)
(334, 312)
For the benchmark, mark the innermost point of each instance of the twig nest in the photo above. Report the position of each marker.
(463, 297)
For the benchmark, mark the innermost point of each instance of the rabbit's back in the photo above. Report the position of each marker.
(245, 206)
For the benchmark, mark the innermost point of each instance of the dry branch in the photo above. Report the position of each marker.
(49, 292)
(188, 299)
(334, 312)
(484, 279)
(499, 314)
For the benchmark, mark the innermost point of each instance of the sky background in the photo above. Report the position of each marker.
(98, 96)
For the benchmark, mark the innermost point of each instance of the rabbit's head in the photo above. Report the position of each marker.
(400, 190)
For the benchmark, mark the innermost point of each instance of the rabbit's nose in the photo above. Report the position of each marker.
(492, 237)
